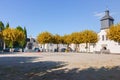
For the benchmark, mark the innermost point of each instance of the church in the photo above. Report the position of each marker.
(104, 45)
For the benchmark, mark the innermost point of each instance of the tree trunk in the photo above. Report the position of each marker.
(4, 46)
(11, 46)
(86, 47)
(77, 47)
(89, 47)
(67, 47)
(44, 48)
(57, 48)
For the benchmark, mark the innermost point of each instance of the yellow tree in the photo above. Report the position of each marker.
(114, 33)
(57, 40)
(76, 38)
(67, 40)
(21, 44)
(89, 37)
(45, 37)
(11, 35)
(20, 37)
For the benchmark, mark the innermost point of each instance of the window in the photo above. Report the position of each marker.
(118, 43)
(102, 37)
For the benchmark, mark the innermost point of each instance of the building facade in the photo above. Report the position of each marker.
(104, 43)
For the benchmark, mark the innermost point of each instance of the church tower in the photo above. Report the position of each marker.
(106, 21)
(104, 45)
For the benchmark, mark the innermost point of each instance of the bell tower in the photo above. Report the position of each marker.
(106, 21)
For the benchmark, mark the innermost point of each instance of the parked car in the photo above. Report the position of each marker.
(55, 50)
(63, 50)
(6, 50)
(37, 50)
(16, 50)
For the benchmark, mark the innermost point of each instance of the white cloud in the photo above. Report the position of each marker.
(99, 14)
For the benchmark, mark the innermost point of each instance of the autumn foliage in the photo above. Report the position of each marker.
(86, 36)
(44, 37)
(89, 36)
(114, 33)
(11, 35)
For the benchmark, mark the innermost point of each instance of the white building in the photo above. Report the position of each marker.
(104, 43)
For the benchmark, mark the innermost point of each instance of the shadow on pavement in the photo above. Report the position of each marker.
(86, 74)
(23, 68)
(50, 70)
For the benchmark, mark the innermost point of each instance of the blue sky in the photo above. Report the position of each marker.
(57, 16)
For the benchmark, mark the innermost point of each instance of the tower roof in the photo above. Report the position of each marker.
(107, 16)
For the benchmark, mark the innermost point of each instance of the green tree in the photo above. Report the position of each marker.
(7, 26)
(19, 28)
(114, 33)
(25, 32)
(23, 43)
(2, 27)
(89, 37)
(20, 37)
(0, 35)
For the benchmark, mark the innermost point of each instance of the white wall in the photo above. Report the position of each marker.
(111, 45)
